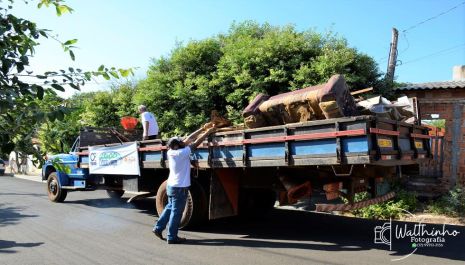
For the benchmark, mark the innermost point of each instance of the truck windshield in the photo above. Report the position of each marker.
(75, 146)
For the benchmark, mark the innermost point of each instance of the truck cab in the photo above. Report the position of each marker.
(62, 173)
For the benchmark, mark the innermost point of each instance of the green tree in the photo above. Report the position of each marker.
(122, 99)
(99, 110)
(177, 85)
(92, 109)
(440, 123)
(20, 87)
(225, 71)
(58, 136)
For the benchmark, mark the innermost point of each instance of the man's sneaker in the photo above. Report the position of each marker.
(158, 234)
(178, 240)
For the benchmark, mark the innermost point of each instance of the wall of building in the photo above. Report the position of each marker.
(450, 105)
(26, 168)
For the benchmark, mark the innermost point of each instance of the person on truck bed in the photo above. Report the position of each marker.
(179, 181)
(149, 124)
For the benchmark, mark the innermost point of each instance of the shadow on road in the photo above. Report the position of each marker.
(270, 244)
(11, 215)
(144, 205)
(22, 194)
(5, 246)
(282, 228)
(337, 233)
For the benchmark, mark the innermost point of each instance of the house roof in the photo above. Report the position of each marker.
(434, 85)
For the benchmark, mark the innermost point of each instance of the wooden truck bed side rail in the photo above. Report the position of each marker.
(341, 141)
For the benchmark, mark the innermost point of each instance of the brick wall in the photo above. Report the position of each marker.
(442, 102)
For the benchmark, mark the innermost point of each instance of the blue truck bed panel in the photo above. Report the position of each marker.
(228, 152)
(314, 147)
(355, 145)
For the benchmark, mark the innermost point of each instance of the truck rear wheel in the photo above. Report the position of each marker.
(54, 190)
(196, 205)
(115, 194)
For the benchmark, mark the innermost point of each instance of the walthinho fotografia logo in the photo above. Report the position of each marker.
(418, 235)
(383, 234)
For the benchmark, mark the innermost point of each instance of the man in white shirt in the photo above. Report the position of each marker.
(149, 124)
(179, 181)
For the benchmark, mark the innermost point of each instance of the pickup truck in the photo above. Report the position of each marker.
(247, 171)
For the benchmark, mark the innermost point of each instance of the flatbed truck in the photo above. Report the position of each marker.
(247, 171)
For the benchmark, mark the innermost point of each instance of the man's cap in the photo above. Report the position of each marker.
(176, 140)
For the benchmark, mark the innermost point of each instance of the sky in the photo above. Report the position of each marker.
(125, 33)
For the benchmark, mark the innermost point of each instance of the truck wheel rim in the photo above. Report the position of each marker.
(53, 187)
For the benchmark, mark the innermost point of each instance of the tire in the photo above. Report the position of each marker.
(55, 192)
(115, 194)
(195, 211)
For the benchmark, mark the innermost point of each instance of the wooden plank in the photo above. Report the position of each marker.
(384, 132)
(422, 136)
(361, 91)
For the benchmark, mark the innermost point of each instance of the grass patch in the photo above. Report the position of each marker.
(451, 204)
(391, 209)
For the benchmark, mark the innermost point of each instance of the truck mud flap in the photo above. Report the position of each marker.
(224, 193)
(131, 183)
(354, 206)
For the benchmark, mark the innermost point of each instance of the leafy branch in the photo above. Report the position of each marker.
(21, 89)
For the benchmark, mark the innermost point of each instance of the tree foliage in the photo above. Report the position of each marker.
(21, 88)
(57, 136)
(225, 71)
(440, 123)
(92, 109)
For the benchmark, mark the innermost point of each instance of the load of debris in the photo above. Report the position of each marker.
(403, 109)
(325, 101)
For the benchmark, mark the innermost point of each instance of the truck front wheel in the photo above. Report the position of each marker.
(196, 205)
(54, 190)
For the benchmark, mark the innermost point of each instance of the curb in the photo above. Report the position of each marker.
(27, 177)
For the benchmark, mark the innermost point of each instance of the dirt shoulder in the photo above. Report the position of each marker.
(425, 218)
(429, 218)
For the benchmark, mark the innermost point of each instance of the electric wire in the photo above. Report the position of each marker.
(433, 17)
(445, 51)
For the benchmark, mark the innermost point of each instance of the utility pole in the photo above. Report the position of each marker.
(392, 58)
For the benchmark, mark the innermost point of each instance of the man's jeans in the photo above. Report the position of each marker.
(172, 213)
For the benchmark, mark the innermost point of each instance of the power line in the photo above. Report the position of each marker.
(408, 43)
(431, 18)
(432, 54)
(404, 35)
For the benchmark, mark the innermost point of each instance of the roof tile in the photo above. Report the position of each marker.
(434, 85)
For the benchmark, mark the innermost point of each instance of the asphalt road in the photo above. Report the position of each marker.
(89, 228)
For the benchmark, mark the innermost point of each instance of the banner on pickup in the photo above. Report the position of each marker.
(114, 160)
